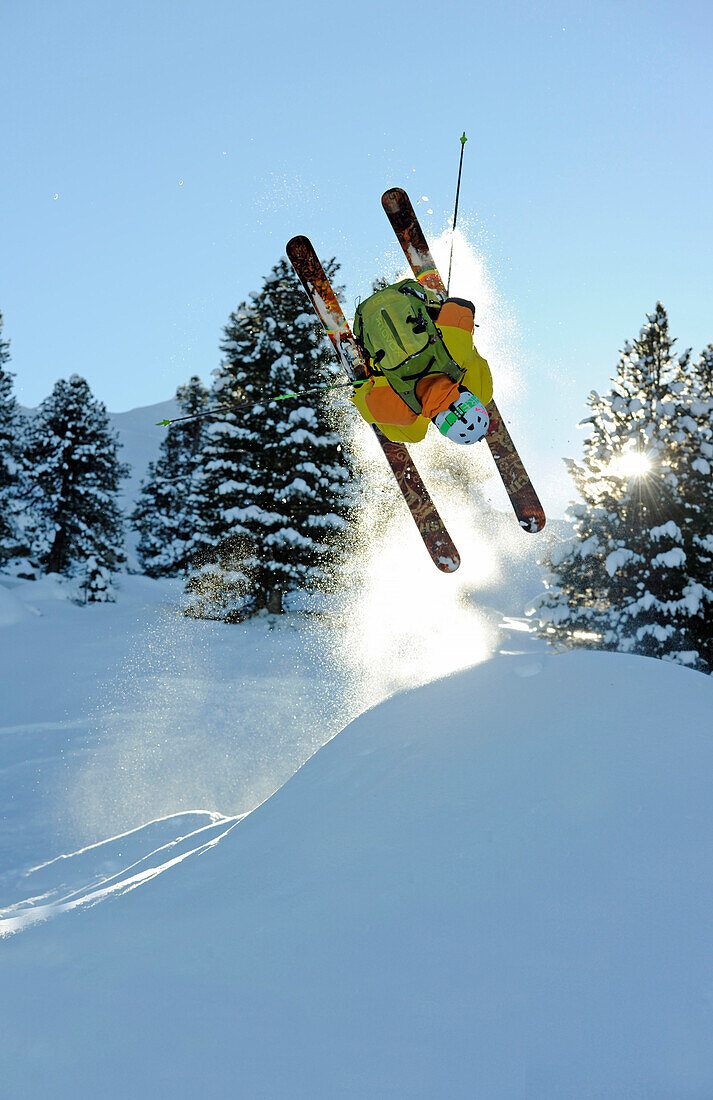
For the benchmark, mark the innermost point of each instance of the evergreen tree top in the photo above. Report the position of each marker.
(8, 405)
(72, 419)
(646, 362)
(4, 348)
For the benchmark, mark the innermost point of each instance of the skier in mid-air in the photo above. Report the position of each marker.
(423, 365)
(398, 348)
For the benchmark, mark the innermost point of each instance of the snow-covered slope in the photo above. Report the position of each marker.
(140, 439)
(497, 885)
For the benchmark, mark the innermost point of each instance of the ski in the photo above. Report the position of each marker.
(525, 502)
(324, 301)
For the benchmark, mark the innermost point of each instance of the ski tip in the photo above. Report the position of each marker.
(298, 244)
(449, 564)
(394, 197)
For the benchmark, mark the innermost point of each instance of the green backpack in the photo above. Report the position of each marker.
(396, 330)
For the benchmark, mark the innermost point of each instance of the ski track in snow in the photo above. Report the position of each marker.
(109, 868)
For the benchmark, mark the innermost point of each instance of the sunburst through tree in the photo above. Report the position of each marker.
(633, 576)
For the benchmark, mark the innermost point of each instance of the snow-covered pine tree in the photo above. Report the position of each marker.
(278, 475)
(11, 481)
(622, 582)
(307, 491)
(167, 515)
(218, 482)
(96, 582)
(693, 433)
(72, 452)
(217, 588)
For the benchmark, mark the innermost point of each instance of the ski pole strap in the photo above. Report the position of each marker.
(251, 404)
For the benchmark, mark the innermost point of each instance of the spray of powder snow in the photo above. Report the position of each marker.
(206, 715)
(405, 622)
(497, 336)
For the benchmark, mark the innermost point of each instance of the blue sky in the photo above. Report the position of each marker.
(157, 156)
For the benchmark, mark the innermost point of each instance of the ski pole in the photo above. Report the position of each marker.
(251, 404)
(455, 212)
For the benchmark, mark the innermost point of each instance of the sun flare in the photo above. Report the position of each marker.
(633, 464)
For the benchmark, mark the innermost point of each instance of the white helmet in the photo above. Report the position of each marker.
(466, 420)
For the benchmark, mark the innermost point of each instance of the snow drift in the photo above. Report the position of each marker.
(12, 610)
(495, 885)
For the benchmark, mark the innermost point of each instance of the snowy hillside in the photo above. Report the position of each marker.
(140, 439)
(495, 885)
(393, 849)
